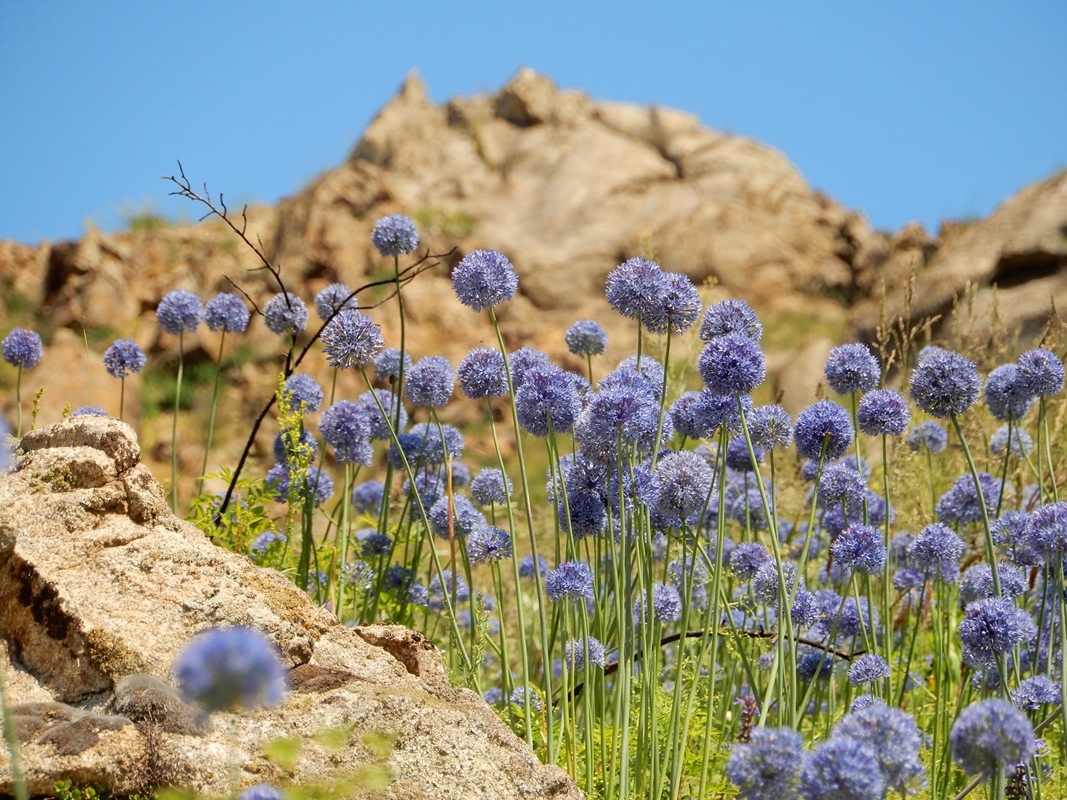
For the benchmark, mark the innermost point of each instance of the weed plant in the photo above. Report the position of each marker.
(693, 594)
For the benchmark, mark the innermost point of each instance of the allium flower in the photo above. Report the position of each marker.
(571, 580)
(285, 444)
(491, 486)
(124, 358)
(944, 383)
(484, 279)
(303, 390)
(528, 567)
(519, 695)
(928, 436)
(523, 361)
(1035, 692)
(1006, 394)
(992, 626)
(893, 736)
(765, 582)
(666, 604)
(439, 442)
(739, 458)
(977, 582)
(769, 427)
(732, 363)
(430, 382)
(574, 653)
(962, 505)
(586, 338)
(841, 485)
(635, 289)
(395, 235)
(1011, 530)
(488, 544)
(730, 316)
(547, 396)
(684, 479)
(226, 312)
(442, 589)
(351, 339)
(262, 543)
(860, 547)
(373, 544)
(1021, 443)
(866, 669)
(333, 298)
(840, 768)
(261, 791)
(317, 483)
(367, 497)
(936, 551)
(583, 515)
(688, 415)
(852, 368)
(229, 668)
(747, 558)
(285, 314)
(345, 427)
(768, 765)
(805, 610)
(1040, 372)
(1046, 532)
(388, 362)
(89, 411)
(482, 373)
(823, 423)
(677, 308)
(883, 412)
(865, 701)
(179, 312)
(464, 516)
(429, 486)
(854, 619)
(991, 734)
(379, 426)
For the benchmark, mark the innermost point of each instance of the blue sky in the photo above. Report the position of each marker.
(905, 111)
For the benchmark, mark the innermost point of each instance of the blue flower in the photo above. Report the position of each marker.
(351, 339)
(768, 765)
(373, 544)
(769, 427)
(285, 314)
(333, 298)
(583, 515)
(936, 551)
(229, 668)
(387, 364)
(528, 567)
(851, 368)
(1046, 532)
(747, 558)
(484, 279)
(860, 547)
(732, 363)
(124, 358)
(464, 516)
(345, 427)
(523, 361)
(688, 415)
(440, 590)
(823, 424)
(928, 436)
(303, 390)
(482, 373)
(262, 543)
(379, 425)
(316, 484)
(840, 769)
(284, 447)
(730, 316)
(884, 412)
(261, 791)
(991, 626)
(684, 480)
(866, 669)
(893, 736)
(395, 235)
(226, 312)
(1035, 692)
(841, 485)
(491, 486)
(571, 580)
(367, 497)
(519, 695)
(179, 312)
(1011, 530)
(574, 654)
(961, 504)
(430, 382)
(1006, 394)
(547, 396)
(666, 604)
(977, 582)
(635, 289)
(89, 411)
(944, 383)
(677, 308)
(429, 486)
(586, 338)
(1021, 443)
(991, 734)
(1040, 372)
(739, 458)
(488, 544)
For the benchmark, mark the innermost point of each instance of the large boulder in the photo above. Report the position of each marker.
(101, 587)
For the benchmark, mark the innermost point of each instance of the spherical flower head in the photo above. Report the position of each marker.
(860, 547)
(482, 373)
(89, 411)
(732, 363)
(528, 567)
(315, 484)
(977, 582)
(688, 415)
(928, 436)
(1041, 372)
(768, 765)
(586, 338)
(841, 485)
(571, 580)
(373, 544)
(1046, 532)
(395, 235)
(547, 397)
(962, 504)
(765, 582)
(893, 736)
(944, 383)
(124, 358)
(387, 364)
(179, 312)
(285, 443)
(379, 425)
(936, 551)
(677, 307)
(574, 654)
(442, 589)
(884, 412)
(351, 339)
(345, 427)
(491, 486)
(367, 497)
(430, 382)
(852, 368)
(666, 604)
(635, 289)
(1011, 531)
(484, 279)
(1035, 692)
(285, 314)
(226, 312)
(684, 480)
(730, 316)
(823, 424)
(739, 458)
(225, 669)
(747, 558)
(333, 298)
(262, 543)
(992, 626)
(518, 697)
(1006, 395)
(1021, 442)
(261, 791)
(867, 669)
(488, 544)
(841, 769)
(770, 427)
(991, 734)
(465, 518)
(303, 390)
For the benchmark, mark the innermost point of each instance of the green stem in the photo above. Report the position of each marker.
(214, 406)
(174, 427)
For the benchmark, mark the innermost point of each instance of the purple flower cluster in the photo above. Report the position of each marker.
(179, 312)
(395, 235)
(285, 314)
(586, 338)
(482, 373)
(230, 668)
(944, 383)
(226, 312)
(852, 368)
(124, 358)
(991, 734)
(484, 279)
(351, 339)
(332, 299)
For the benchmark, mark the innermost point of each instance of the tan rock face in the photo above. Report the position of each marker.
(100, 588)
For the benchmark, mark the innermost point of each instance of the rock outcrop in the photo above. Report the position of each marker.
(101, 587)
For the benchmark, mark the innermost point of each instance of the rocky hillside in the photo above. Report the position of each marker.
(567, 187)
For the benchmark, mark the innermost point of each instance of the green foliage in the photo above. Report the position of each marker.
(433, 221)
(246, 516)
